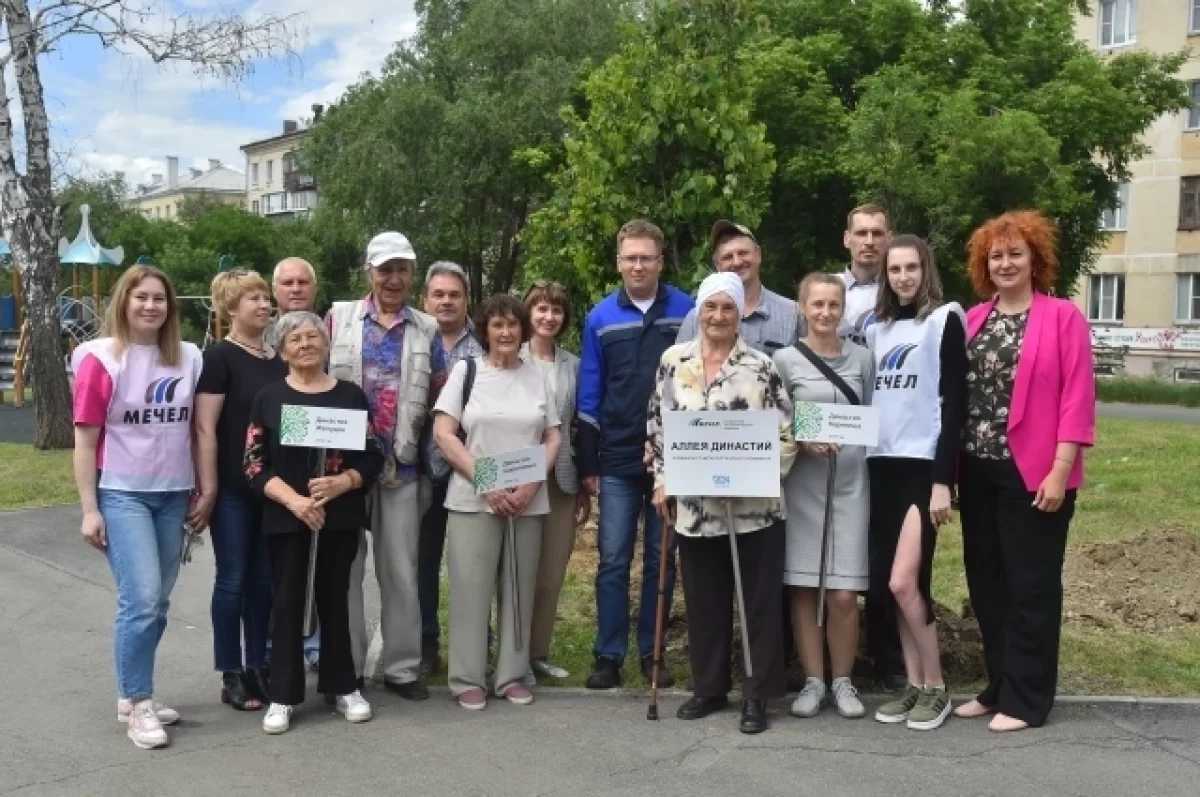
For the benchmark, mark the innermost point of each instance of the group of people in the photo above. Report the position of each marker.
(169, 439)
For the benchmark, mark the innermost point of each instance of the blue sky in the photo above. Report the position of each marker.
(114, 112)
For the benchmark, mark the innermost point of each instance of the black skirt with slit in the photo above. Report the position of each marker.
(898, 483)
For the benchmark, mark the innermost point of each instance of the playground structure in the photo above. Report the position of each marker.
(81, 313)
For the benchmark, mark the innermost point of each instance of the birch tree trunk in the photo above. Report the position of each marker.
(31, 224)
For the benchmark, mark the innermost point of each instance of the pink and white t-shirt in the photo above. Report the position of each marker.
(144, 411)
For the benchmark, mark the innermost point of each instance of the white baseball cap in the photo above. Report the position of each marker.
(389, 246)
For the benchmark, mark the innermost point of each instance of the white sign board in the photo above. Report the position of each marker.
(524, 466)
(844, 424)
(722, 454)
(1148, 338)
(323, 427)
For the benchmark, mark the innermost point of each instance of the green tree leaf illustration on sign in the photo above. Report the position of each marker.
(808, 420)
(486, 473)
(293, 425)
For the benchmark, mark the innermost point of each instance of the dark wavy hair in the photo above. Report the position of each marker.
(502, 305)
(929, 292)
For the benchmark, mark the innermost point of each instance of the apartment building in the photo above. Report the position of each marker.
(275, 185)
(161, 198)
(1144, 294)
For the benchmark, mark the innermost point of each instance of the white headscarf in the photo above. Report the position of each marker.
(723, 282)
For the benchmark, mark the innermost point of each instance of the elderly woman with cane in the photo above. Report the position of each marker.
(499, 404)
(718, 371)
(827, 499)
(310, 491)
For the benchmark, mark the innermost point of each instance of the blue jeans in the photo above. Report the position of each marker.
(622, 500)
(145, 539)
(241, 599)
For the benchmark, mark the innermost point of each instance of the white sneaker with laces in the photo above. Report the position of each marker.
(808, 703)
(354, 707)
(846, 698)
(145, 730)
(166, 715)
(278, 719)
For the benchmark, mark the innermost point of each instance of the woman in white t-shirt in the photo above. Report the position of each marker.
(496, 535)
(134, 470)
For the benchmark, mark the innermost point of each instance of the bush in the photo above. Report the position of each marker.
(1147, 390)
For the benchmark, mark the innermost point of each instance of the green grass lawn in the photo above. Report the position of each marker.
(29, 477)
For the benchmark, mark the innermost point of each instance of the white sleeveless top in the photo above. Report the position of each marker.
(907, 383)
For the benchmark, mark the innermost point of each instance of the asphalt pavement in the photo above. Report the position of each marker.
(60, 735)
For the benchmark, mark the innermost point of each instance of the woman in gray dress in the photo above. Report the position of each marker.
(822, 301)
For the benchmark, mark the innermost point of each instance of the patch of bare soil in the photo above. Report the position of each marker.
(1149, 583)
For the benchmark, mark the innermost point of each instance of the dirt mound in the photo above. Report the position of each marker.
(1149, 583)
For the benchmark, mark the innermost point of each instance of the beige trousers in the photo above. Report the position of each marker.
(558, 541)
(478, 555)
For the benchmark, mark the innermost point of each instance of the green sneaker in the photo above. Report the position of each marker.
(897, 710)
(931, 710)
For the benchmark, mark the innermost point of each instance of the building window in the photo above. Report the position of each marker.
(1187, 298)
(288, 162)
(275, 203)
(1106, 297)
(270, 171)
(1118, 22)
(1193, 117)
(1117, 218)
(254, 206)
(1189, 203)
(1194, 16)
(254, 174)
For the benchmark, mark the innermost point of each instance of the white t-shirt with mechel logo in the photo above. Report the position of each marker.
(144, 411)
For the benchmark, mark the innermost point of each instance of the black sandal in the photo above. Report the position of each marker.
(235, 694)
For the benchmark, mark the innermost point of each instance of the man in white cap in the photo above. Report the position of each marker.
(383, 345)
(769, 321)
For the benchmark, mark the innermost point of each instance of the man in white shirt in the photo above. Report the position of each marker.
(866, 239)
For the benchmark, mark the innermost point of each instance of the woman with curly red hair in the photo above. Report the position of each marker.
(1031, 409)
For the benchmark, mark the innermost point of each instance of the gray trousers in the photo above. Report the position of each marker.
(395, 517)
(477, 557)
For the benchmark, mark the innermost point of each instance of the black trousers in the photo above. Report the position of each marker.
(431, 546)
(708, 588)
(289, 564)
(1014, 555)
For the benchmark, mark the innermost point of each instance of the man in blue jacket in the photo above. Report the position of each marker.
(623, 339)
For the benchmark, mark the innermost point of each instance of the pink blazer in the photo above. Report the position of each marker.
(1054, 392)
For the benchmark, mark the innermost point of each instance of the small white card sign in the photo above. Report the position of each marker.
(323, 427)
(727, 454)
(844, 424)
(524, 466)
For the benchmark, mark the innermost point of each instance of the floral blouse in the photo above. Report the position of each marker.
(992, 356)
(747, 381)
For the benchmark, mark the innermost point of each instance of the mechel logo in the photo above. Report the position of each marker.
(722, 480)
(160, 391)
(893, 360)
(702, 422)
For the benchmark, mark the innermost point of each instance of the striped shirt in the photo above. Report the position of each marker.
(769, 327)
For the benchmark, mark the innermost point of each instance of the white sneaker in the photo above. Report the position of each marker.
(846, 697)
(808, 702)
(145, 730)
(278, 719)
(165, 714)
(354, 707)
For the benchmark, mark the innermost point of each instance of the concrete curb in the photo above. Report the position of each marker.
(1062, 700)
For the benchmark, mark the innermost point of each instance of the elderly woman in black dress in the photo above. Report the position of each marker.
(309, 496)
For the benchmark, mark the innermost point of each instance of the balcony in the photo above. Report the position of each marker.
(297, 180)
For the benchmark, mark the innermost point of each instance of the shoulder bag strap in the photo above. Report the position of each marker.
(828, 372)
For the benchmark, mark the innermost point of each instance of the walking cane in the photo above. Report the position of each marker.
(310, 604)
(737, 583)
(664, 553)
(511, 542)
(826, 533)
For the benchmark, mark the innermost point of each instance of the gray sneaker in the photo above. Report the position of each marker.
(808, 703)
(931, 710)
(897, 710)
(846, 698)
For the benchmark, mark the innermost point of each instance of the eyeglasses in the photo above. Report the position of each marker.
(639, 260)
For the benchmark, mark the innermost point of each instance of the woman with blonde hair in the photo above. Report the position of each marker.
(826, 369)
(134, 471)
(235, 370)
